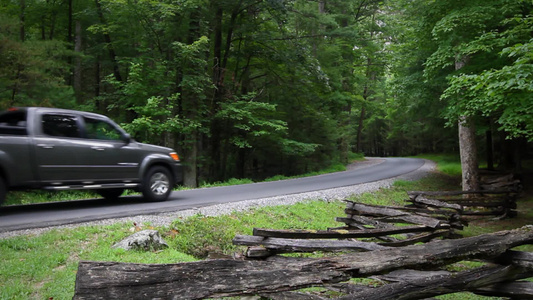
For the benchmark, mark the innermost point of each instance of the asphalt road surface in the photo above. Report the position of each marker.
(71, 212)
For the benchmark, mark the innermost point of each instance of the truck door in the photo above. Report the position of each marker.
(108, 156)
(57, 149)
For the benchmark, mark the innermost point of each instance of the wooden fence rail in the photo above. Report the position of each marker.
(500, 203)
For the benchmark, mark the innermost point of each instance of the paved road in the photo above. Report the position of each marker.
(54, 214)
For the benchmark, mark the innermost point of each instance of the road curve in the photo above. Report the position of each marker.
(14, 218)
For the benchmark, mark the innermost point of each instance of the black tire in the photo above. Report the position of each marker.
(110, 194)
(157, 184)
(3, 190)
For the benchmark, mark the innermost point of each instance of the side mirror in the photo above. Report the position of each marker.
(126, 138)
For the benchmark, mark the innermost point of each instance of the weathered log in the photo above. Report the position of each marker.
(414, 194)
(420, 199)
(391, 214)
(488, 179)
(219, 278)
(258, 252)
(341, 234)
(409, 275)
(424, 237)
(518, 290)
(492, 212)
(279, 245)
(354, 219)
(292, 296)
(483, 202)
(440, 284)
(514, 185)
(203, 279)
(517, 258)
(348, 288)
(351, 225)
(436, 253)
(513, 290)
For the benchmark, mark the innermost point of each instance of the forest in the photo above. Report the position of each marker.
(255, 88)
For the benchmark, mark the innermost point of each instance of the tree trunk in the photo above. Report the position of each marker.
(467, 145)
(468, 150)
(191, 168)
(359, 145)
(109, 45)
(77, 84)
(22, 31)
(215, 172)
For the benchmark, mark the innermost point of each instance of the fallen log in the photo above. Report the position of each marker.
(421, 200)
(517, 258)
(363, 223)
(436, 253)
(292, 296)
(513, 290)
(221, 278)
(353, 220)
(419, 238)
(280, 245)
(342, 234)
(391, 214)
(203, 279)
(414, 194)
(258, 252)
(436, 285)
(473, 202)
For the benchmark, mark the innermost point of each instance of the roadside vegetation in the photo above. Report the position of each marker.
(44, 266)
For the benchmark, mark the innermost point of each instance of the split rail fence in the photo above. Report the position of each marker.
(378, 242)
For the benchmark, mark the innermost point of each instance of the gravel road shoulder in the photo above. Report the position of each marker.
(166, 219)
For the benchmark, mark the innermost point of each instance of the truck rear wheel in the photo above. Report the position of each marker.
(157, 184)
(3, 190)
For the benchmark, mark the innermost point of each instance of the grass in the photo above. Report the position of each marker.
(44, 266)
(449, 164)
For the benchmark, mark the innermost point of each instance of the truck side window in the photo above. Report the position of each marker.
(13, 123)
(100, 130)
(60, 125)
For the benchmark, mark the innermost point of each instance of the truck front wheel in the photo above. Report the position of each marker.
(3, 190)
(157, 184)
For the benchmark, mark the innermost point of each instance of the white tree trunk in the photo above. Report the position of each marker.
(468, 150)
(467, 144)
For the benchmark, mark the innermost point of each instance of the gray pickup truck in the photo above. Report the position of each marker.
(58, 149)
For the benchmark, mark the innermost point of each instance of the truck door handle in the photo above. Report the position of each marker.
(98, 148)
(45, 146)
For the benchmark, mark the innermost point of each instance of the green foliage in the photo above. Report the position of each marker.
(251, 120)
(254, 88)
(503, 93)
(31, 72)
